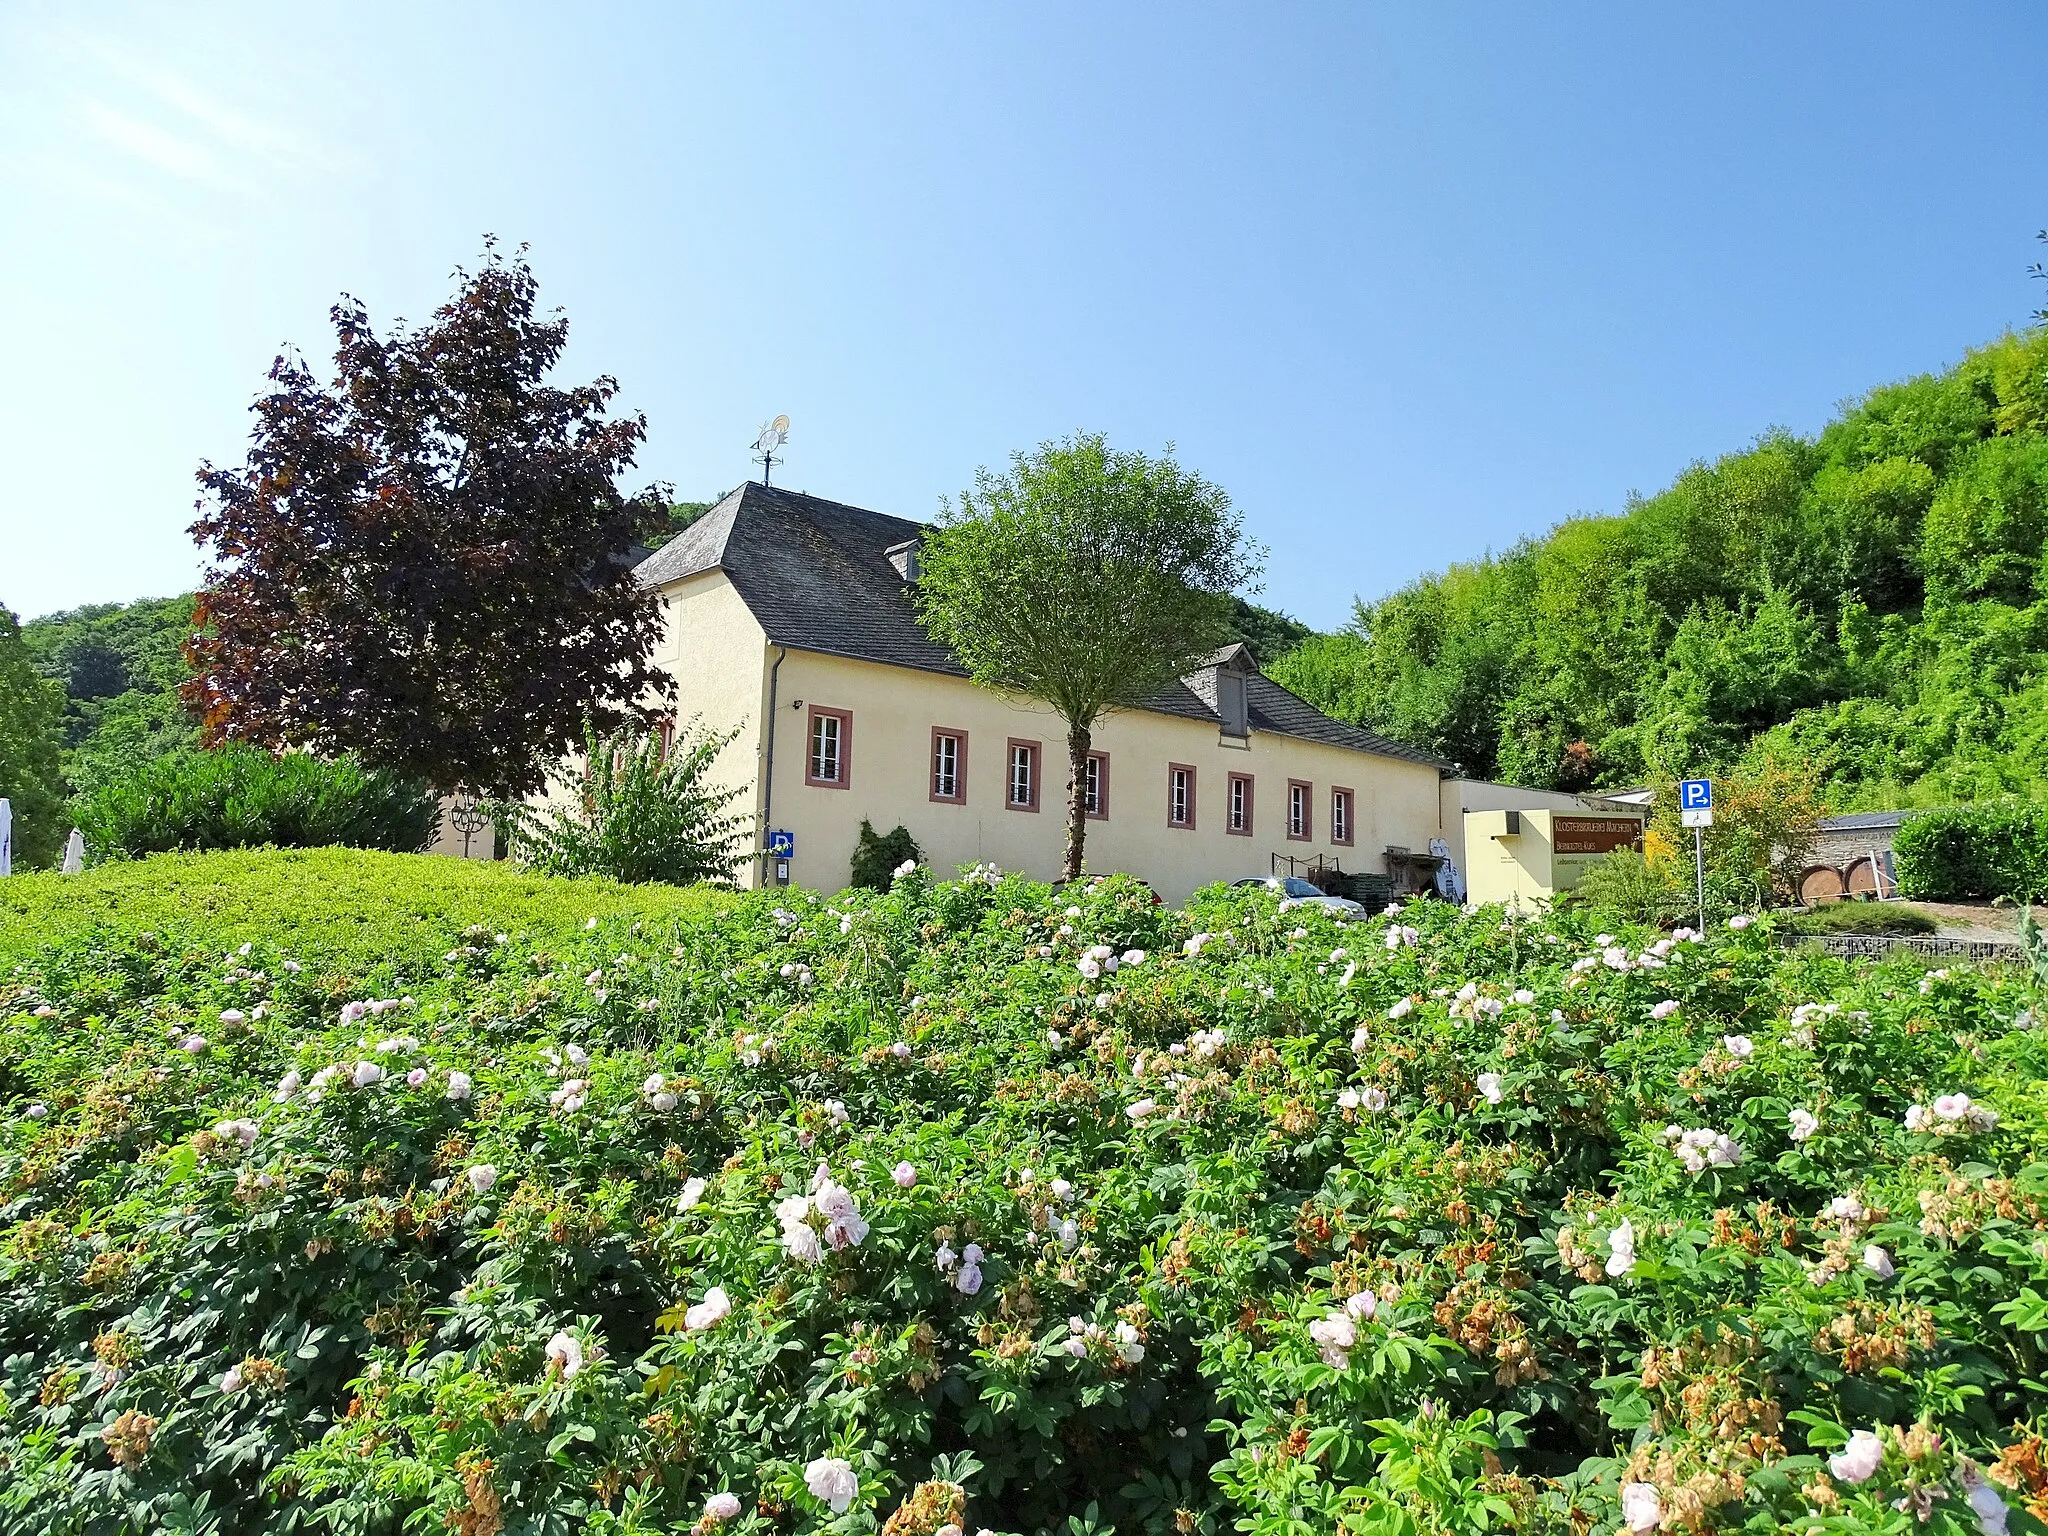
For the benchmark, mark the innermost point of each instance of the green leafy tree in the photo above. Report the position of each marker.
(638, 811)
(1088, 577)
(31, 707)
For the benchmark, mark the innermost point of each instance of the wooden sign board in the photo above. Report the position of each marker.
(1593, 834)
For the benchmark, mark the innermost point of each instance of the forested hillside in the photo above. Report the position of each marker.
(1873, 601)
(119, 666)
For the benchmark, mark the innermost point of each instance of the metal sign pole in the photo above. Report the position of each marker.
(1699, 865)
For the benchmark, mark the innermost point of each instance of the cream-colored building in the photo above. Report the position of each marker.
(789, 619)
(1529, 857)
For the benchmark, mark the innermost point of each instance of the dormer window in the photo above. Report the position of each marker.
(904, 557)
(1231, 703)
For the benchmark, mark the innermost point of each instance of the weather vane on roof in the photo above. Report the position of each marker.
(772, 437)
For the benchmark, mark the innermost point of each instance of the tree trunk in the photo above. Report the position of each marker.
(1079, 739)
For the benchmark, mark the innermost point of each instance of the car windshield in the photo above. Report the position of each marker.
(1295, 887)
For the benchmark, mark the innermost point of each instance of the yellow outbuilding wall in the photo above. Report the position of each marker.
(1529, 857)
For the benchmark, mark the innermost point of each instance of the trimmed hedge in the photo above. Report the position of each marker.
(242, 797)
(1967, 852)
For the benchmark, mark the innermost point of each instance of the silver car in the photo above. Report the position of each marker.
(1297, 892)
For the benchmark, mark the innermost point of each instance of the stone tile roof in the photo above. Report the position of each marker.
(817, 577)
(1859, 821)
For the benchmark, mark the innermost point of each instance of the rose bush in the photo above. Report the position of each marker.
(974, 1203)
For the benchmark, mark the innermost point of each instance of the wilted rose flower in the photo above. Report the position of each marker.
(714, 1308)
(35, 1112)
(1878, 1262)
(1857, 1462)
(832, 1481)
(231, 1379)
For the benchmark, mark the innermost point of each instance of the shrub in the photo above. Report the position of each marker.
(243, 797)
(1235, 1218)
(1964, 852)
(877, 856)
(640, 811)
(1875, 917)
(1634, 890)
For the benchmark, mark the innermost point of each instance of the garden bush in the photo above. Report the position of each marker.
(972, 1203)
(1961, 852)
(639, 809)
(243, 797)
(1863, 917)
(878, 855)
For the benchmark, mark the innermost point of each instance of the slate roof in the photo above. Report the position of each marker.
(1861, 821)
(815, 574)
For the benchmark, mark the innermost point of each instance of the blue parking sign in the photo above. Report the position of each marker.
(781, 845)
(1695, 794)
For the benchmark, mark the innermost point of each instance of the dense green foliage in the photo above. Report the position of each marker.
(119, 665)
(1087, 577)
(372, 917)
(878, 855)
(190, 800)
(581, 1203)
(30, 778)
(1267, 631)
(1871, 600)
(1859, 917)
(637, 808)
(1995, 848)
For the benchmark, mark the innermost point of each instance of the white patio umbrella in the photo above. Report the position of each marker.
(6, 837)
(74, 852)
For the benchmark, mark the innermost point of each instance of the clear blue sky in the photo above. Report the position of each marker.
(1409, 281)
